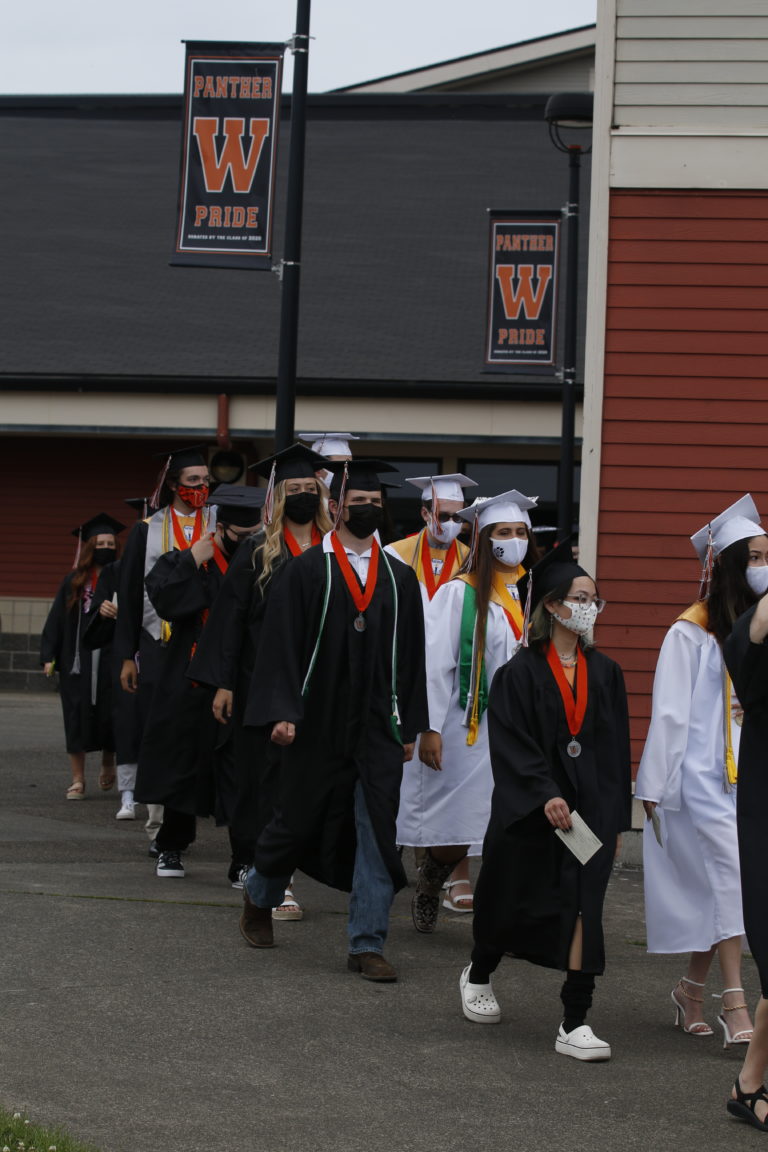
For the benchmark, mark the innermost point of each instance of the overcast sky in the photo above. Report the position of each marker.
(66, 46)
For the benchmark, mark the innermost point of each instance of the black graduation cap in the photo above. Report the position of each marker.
(555, 568)
(360, 473)
(295, 463)
(97, 525)
(238, 504)
(174, 459)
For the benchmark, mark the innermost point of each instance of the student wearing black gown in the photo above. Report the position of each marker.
(746, 656)
(225, 655)
(141, 636)
(339, 677)
(99, 633)
(84, 676)
(559, 740)
(177, 754)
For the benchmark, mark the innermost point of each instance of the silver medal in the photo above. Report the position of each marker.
(574, 749)
(359, 623)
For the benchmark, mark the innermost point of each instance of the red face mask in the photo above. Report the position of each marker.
(195, 497)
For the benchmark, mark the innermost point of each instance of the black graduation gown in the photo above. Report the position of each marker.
(99, 633)
(224, 658)
(531, 888)
(747, 664)
(87, 726)
(344, 727)
(130, 638)
(176, 759)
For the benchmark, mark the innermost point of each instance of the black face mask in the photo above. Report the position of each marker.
(102, 556)
(364, 519)
(229, 546)
(302, 506)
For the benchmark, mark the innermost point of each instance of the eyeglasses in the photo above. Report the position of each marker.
(583, 601)
(450, 518)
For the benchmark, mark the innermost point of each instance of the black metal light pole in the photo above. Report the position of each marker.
(569, 110)
(285, 399)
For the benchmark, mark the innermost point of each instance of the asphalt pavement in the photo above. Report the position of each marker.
(132, 1012)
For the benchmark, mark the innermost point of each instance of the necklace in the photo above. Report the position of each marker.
(568, 661)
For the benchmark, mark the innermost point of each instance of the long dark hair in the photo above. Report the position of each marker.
(83, 570)
(483, 566)
(729, 593)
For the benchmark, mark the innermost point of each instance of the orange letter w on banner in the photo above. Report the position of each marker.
(232, 158)
(523, 296)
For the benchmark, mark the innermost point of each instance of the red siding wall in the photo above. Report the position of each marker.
(685, 417)
(49, 486)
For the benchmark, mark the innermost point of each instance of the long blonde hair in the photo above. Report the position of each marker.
(271, 544)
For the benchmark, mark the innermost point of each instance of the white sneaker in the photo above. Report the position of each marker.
(478, 1001)
(127, 811)
(582, 1044)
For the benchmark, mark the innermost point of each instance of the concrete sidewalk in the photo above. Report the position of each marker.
(133, 1013)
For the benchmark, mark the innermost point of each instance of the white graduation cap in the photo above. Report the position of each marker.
(739, 522)
(509, 507)
(329, 443)
(447, 487)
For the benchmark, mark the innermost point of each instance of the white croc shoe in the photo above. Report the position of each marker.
(478, 1001)
(582, 1044)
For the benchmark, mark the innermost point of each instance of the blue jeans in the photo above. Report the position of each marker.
(372, 888)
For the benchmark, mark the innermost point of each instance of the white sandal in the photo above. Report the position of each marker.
(450, 900)
(742, 1037)
(478, 1001)
(290, 909)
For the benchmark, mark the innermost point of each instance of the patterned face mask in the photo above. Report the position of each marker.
(195, 497)
(582, 618)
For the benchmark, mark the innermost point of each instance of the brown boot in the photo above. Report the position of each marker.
(256, 924)
(372, 966)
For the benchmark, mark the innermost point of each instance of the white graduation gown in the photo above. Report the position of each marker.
(452, 806)
(692, 885)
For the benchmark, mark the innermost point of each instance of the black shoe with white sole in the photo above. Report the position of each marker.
(169, 864)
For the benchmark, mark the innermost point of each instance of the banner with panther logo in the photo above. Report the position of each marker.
(228, 153)
(522, 291)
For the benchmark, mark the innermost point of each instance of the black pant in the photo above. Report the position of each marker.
(177, 831)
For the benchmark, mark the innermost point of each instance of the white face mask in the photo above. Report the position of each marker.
(757, 578)
(509, 552)
(446, 533)
(582, 618)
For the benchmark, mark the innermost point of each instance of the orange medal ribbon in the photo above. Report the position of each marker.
(294, 547)
(361, 598)
(575, 709)
(426, 566)
(179, 538)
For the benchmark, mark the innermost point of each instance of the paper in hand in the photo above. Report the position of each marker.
(656, 822)
(580, 839)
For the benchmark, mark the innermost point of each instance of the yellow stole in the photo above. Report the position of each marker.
(499, 594)
(409, 551)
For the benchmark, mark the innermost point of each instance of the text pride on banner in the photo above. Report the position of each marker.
(522, 291)
(229, 146)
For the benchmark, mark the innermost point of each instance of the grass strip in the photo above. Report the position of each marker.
(18, 1134)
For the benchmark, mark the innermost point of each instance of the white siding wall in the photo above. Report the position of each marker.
(692, 64)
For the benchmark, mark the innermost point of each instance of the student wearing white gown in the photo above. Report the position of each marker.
(473, 626)
(436, 555)
(687, 779)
